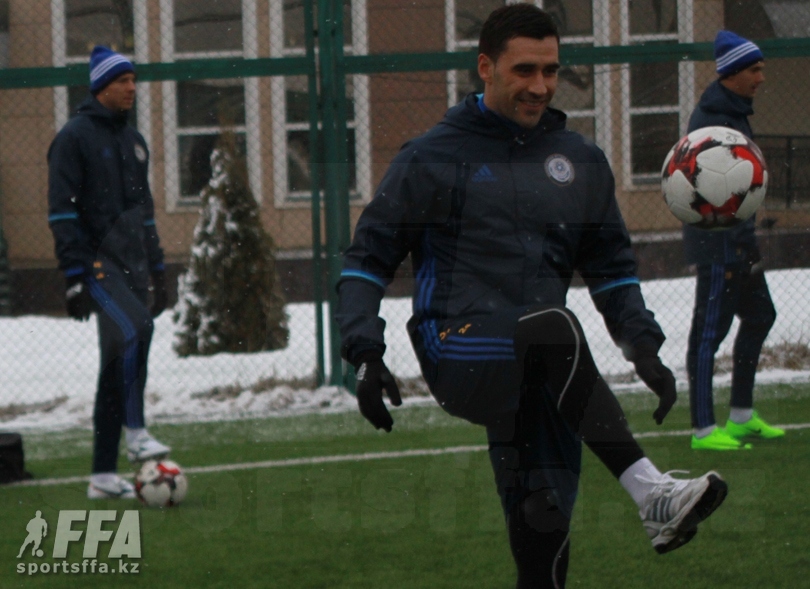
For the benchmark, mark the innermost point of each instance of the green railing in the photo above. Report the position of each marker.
(200, 69)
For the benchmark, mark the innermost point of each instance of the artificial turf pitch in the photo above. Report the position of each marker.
(402, 519)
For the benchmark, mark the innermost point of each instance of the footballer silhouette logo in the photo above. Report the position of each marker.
(37, 529)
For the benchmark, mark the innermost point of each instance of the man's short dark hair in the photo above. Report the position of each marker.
(511, 21)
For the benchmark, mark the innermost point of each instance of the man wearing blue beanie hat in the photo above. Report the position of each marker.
(105, 66)
(101, 214)
(733, 54)
(730, 278)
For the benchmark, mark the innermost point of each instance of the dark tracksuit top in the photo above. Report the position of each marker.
(101, 213)
(100, 207)
(720, 107)
(725, 287)
(494, 218)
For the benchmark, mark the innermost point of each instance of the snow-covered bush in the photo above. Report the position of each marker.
(229, 300)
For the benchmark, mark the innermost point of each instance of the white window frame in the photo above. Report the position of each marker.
(686, 89)
(252, 127)
(60, 59)
(601, 73)
(360, 124)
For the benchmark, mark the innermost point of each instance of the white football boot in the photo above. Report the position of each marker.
(145, 447)
(109, 486)
(673, 509)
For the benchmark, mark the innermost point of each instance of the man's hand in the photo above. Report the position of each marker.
(160, 297)
(78, 301)
(754, 260)
(373, 377)
(659, 378)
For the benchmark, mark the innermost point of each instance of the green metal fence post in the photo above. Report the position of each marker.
(341, 118)
(330, 23)
(315, 162)
(5, 273)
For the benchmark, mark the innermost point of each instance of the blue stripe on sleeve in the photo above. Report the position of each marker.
(149, 223)
(62, 217)
(614, 284)
(364, 276)
(482, 357)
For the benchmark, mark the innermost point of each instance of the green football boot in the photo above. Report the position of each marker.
(719, 439)
(755, 427)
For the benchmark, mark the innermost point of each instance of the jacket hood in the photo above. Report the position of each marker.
(719, 99)
(90, 106)
(468, 116)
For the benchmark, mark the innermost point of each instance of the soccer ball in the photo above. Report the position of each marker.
(161, 483)
(714, 178)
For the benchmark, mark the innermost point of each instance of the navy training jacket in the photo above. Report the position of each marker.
(719, 106)
(100, 207)
(493, 218)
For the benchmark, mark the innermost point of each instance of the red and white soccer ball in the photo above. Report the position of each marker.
(714, 178)
(161, 483)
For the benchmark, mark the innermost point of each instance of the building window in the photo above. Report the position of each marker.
(657, 98)
(98, 22)
(3, 34)
(205, 108)
(463, 22)
(80, 25)
(576, 86)
(582, 90)
(197, 112)
(292, 175)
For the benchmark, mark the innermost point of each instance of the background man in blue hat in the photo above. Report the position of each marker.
(730, 279)
(101, 213)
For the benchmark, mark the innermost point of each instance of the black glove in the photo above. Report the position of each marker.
(160, 297)
(78, 301)
(373, 377)
(754, 260)
(660, 380)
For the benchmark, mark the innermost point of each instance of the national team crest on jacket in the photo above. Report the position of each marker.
(140, 152)
(560, 169)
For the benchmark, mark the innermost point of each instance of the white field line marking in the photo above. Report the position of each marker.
(342, 458)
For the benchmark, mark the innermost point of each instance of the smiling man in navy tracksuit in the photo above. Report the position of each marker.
(497, 206)
(101, 213)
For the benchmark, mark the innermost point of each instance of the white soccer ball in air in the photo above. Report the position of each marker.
(714, 178)
(161, 483)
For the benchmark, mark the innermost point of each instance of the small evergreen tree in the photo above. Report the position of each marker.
(229, 300)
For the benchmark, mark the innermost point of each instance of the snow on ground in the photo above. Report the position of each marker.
(48, 366)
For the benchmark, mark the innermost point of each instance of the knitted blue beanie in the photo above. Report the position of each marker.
(105, 66)
(733, 54)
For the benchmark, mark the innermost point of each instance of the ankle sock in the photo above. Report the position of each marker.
(103, 478)
(639, 489)
(132, 434)
(704, 431)
(740, 416)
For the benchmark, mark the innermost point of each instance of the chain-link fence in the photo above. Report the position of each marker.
(321, 94)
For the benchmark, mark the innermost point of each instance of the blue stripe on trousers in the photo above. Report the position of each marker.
(705, 359)
(131, 398)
